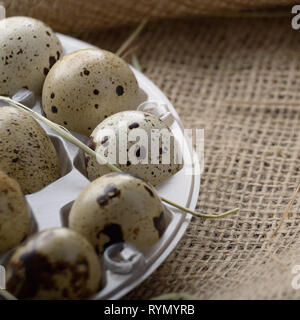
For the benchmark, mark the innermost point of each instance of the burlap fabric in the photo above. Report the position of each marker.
(80, 15)
(252, 150)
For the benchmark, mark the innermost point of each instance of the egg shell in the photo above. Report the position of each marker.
(87, 86)
(151, 172)
(27, 153)
(15, 218)
(29, 49)
(54, 264)
(118, 207)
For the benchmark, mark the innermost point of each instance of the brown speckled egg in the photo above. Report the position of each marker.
(86, 87)
(29, 49)
(15, 218)
(27, 153)
(139, 161)
(54, 264)
(118, 207)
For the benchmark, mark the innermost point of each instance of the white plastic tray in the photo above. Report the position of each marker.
(51, 205)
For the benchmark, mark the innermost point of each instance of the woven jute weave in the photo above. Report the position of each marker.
(81, 15)
(238, 79)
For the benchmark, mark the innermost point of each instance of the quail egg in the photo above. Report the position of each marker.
(15, 219)
(54, 264)
(27, 153)
(87, 86)
(144, 158)
(29, 49)
(118, 207)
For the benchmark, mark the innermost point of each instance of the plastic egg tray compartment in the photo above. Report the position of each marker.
(124, 267)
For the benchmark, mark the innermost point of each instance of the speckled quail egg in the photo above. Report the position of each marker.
(29, 49)
(27, 153)
(54, 264)
(87, 86)
(118, 207)
(115, 130)
(15, 218)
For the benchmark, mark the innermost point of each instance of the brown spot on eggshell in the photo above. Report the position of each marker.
(134, 125)
(149, 191)
(160, 224)
(102, 200)
(104, 140)
(119, 90)
(86, 72)
(52, 61)
(110, 192)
